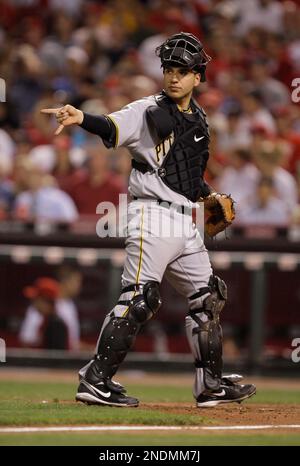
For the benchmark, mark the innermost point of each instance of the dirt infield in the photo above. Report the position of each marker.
(234, 414)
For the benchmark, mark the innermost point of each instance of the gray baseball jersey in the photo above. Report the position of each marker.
(149, 255)
(133, 132)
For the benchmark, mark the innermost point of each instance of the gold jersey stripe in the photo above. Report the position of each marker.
(141, 248)
(140, 260)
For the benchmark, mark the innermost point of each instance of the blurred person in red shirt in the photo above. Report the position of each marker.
(218, 159)
(279, 61)
(63, 168)
(285, 131)
(122, 164)
(259, 134)
(42, 327)
(70, 282)
(97, 183)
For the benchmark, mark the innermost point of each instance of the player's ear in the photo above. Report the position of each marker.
(197, 79)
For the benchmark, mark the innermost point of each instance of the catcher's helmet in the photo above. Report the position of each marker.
(184, 49)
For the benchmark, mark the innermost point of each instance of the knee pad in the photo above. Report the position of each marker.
(215, 302)
(146, 304)
(216, 290)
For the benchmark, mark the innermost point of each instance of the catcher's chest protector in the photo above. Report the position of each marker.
(185, 163)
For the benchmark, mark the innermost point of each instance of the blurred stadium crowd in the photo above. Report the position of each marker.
(99, 55)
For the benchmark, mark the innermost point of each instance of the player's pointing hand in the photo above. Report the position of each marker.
(65, 116)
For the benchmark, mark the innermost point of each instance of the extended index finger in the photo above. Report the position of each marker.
(50, 110)
(59, 130)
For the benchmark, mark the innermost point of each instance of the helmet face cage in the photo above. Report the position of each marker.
(184, 50)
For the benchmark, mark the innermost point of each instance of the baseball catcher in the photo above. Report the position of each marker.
(168, 139)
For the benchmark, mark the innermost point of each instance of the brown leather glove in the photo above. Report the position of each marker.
(219, 213)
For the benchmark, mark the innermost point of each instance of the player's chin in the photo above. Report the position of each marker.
(175, 93)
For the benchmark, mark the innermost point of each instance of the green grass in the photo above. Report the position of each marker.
(63, 391)
(276, 396)
(66, 391)
(32, 414)
(21, 404)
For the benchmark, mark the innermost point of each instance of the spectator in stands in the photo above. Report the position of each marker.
(7, 148)
(27, 80)
(285, 131)
(240, 177)
(42, 327)
(264, 208)
(70, 280)
(122, 164)
(268, 160)
(274, 93)
(211, 101)
(217, 160)
(291, 21)
(42, 199)
(139, 86)
(97, 183)
(264, 14)
(6, 190)
(280, 62)
(236, 134)
(63, 167)
(259, 134)
(255, 113)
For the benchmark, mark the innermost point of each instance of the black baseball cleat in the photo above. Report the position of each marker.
(227, 393)
(104, 393)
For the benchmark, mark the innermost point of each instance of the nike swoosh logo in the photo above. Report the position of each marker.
(92, 387)
(106, 395)
(198, 139)
(222, 393)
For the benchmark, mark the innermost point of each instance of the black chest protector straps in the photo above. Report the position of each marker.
(183, 167)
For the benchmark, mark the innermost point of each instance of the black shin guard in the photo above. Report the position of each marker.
(210, 344)
(119, 334)
(206, 326)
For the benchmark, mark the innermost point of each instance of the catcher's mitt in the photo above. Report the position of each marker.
(219, 213)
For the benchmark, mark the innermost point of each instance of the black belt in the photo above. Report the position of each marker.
(181, 209)
(146, 168)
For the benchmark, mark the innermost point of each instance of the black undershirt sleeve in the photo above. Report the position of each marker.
(101, 126)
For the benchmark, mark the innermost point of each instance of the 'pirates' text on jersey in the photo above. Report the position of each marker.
(133, 132)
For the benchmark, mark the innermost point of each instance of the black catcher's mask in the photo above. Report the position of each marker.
(184, 50)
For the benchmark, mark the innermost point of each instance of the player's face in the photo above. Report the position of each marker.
(180, 82)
